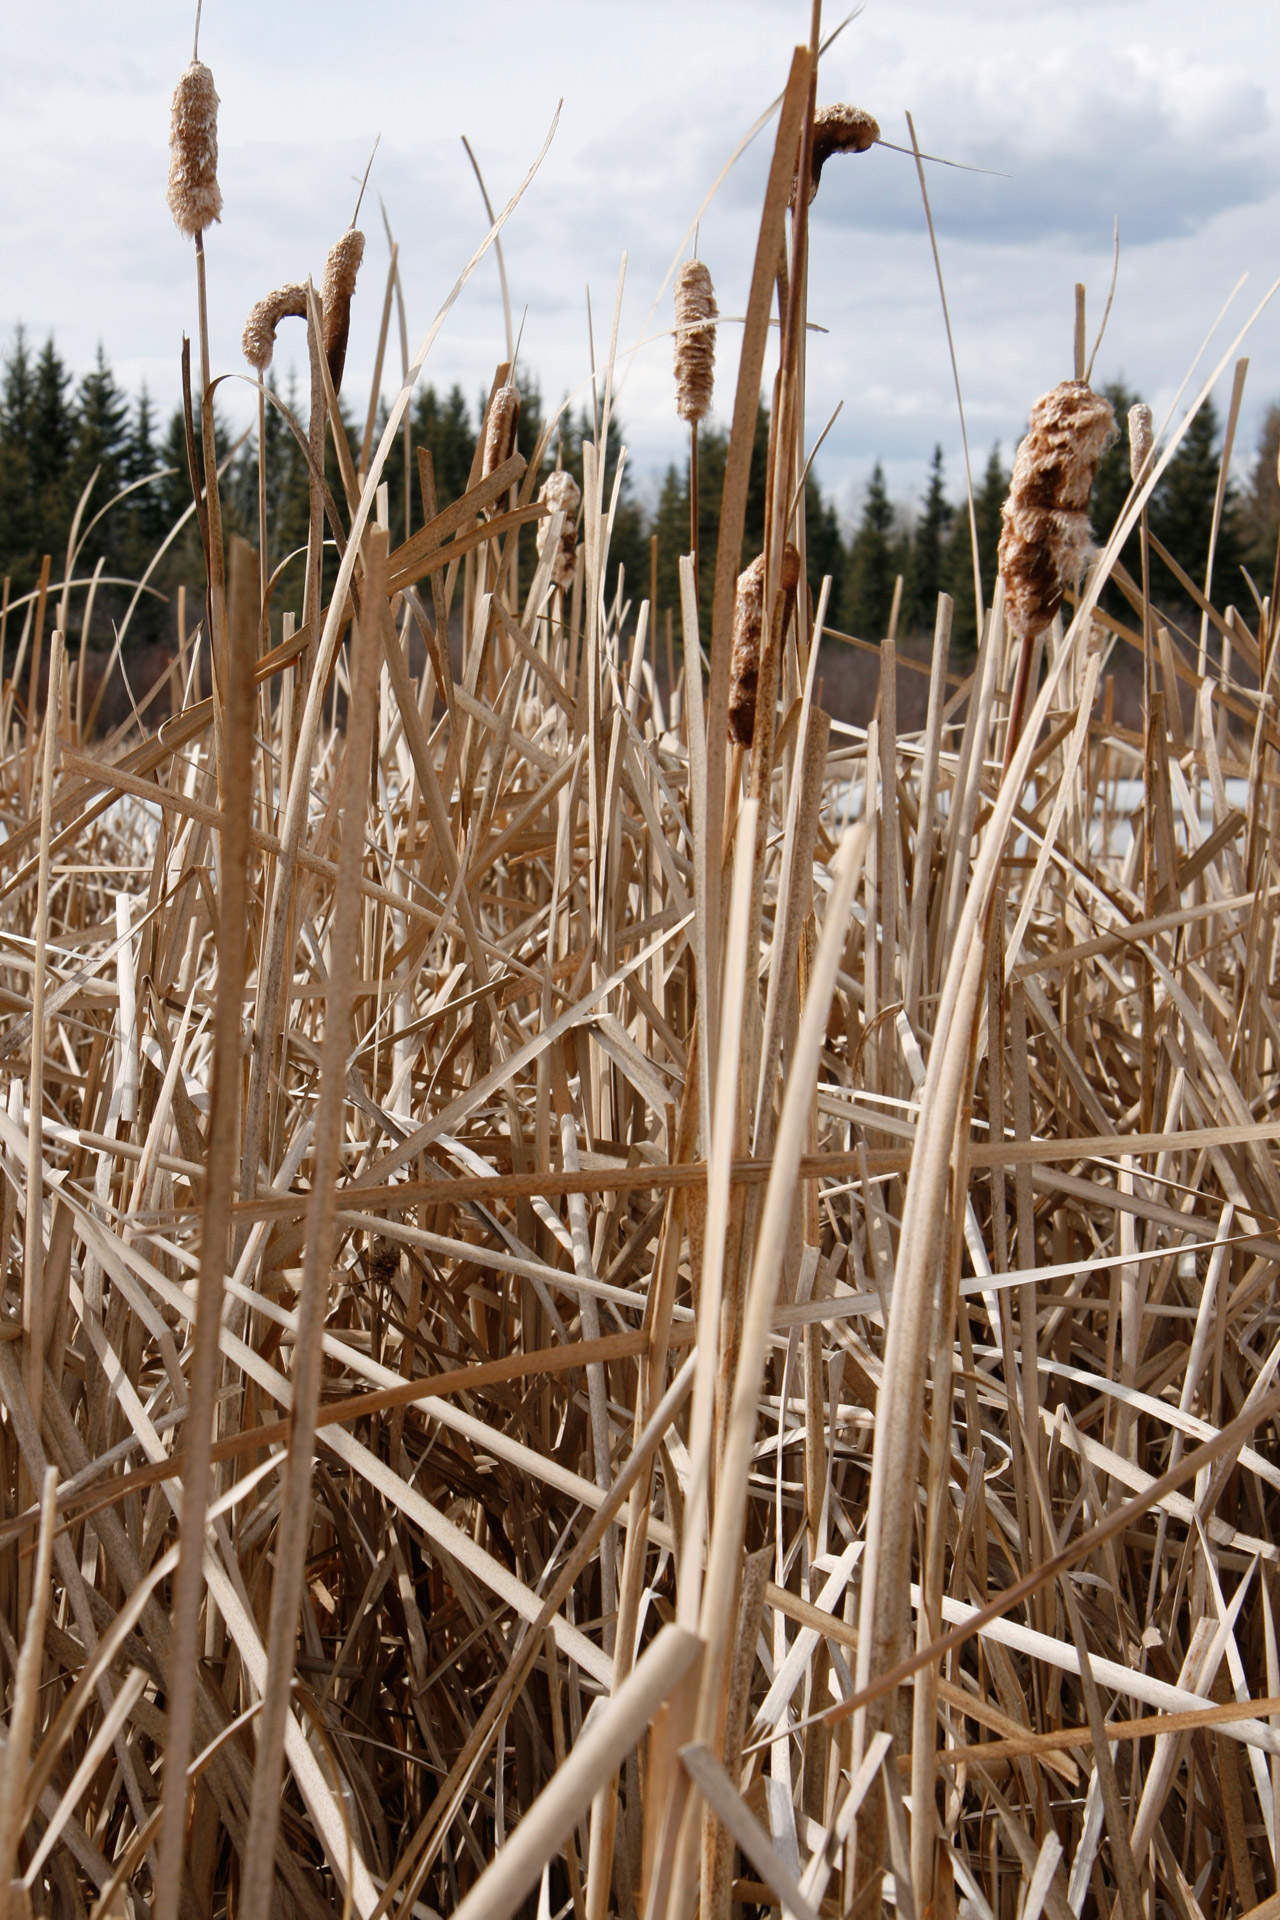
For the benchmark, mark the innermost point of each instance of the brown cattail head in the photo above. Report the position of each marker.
(259, 338)
(561, 492)
(1141, 441)
(340, 270)
(500, 428)
(696, 314)
(195, 197)
(838, 129)
(744, 662)
(1046, 535)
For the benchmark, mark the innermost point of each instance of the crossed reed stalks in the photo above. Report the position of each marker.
(607, 1319)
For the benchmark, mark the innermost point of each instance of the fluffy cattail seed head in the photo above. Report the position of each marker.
(1045, 540)
(259, 338)
(561, 492)
(500, 428)
(1141, 440)
(696, 314)
(340, 270)
(838, 129)
(195, 197)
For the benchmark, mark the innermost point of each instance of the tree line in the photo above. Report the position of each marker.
(56, 433)
(932, 550)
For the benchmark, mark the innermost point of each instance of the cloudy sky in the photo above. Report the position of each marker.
(1161, 112)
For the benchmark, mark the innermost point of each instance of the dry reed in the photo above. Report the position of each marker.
(596, 1324)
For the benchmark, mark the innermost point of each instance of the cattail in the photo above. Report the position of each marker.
(838, 129)
(748, 629)
(1046, 535)
(561, 492)
(195, 197)
(1141, 441)
(500, 428)
(696, 315)
(259, 338)
(340, 270)
(744, 662)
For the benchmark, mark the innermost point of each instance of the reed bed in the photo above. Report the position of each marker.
(602, 1318)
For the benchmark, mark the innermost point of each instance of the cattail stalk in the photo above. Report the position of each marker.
(696, 315)
(195, 200)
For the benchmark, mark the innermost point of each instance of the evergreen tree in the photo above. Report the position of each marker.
(100, 444)
(1110, 491)
(18, 519)
(444, 427)
(1260, 514)
(672, 522)
(929, 538)
(824, 549)
(52, 427)
(958, 568)
(876, 558)
(1182, 514)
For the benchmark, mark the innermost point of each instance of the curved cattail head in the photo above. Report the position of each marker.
(561, 492)
(195, 197)
(259, 337)
(500, 428)
(838, 129)
(696, 314)
(340, 270)
(1045, 540)
(1141, 441)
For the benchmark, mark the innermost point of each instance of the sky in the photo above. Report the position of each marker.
(1160, 113)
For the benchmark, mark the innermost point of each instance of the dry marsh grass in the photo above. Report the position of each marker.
(612, 1311)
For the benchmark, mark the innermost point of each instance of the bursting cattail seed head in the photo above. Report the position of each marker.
(500, 428)
(259, 338)
(748, 631)
(561, 492)
(838, 129)
(744, 663)
(1141, 440)
(195, 198)
(1046, 536)
(696, 315)
(340, 270)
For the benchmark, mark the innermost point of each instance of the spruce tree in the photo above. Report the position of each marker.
(875, 560)
(1182, 515)
(444, 428)
(824, 549)
(19, 530)
(52, 428)
(1261, 506)
(928, 551)
(1110, 491)
(958, 570)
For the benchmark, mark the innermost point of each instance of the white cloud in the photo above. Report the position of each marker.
(1124, 106)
